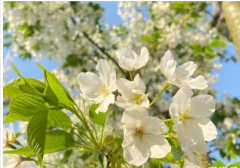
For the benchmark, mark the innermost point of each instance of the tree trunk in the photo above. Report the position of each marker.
(231, 11)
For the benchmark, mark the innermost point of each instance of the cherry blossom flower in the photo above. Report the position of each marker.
(143, 137)
(181, 75)
(8, 135)
(132, 93)
(129, 60)
(190, 117)
(98, 89)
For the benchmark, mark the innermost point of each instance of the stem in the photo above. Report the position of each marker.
(102, 134)
(165, 86)
(131, 73)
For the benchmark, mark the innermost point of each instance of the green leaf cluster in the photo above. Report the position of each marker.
(40, 104)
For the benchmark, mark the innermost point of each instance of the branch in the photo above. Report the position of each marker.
(102, 50)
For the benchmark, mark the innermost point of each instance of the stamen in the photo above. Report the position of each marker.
(104, 90)
(139, 132)
(137, 98)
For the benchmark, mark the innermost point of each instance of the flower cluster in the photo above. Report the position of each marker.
(144, 134)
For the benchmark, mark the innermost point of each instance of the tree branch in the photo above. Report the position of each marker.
(102, 50)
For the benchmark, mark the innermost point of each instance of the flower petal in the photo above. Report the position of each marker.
(127, 58)
(159, 146)
(131, 115)
(142, 59)
(90, 84)
(197, 83)
(185, 70)
(200, 147)
(154, 125)
(209, 129)
(168, 65)
(136, 153)
(139, 84)
(182, 98)
(124, 87)
(202, 106)
(107, 74)
(103, 106)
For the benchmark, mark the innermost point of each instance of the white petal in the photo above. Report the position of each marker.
(142, 59)
(136, 153)
(145, 102)
(197, 83)
(90, 84)
(107, 75)
(131, 115)
(209, 129)
(174, 112)
(182, 98)
(202, 106)
(139, 84)
(168, 64)
(185, 70)
(159, 146)
(200, 147)
(154, 125)
(103, 106)
(127, 58)
(124, 87)
(184, 136)
(121, 102)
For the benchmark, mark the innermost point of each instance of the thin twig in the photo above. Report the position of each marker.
(102, 50)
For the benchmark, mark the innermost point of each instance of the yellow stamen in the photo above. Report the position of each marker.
(139, 132)
(137, 98)
(184, 117)
(104, 90)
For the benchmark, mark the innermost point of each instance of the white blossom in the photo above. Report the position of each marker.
(181, 75)
(143, 137)
(11, 161)
(190, 117)
(129, 60)
(8, 135)
(132, 93)
(98, 89)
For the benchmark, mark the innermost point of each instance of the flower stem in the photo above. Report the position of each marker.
(165, 86)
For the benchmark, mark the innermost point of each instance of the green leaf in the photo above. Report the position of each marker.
(24, 106)
(50, 96)
(36, 134)
(57, 118)
(58, 140)
(60, 92)
(99, 118)
(12, 89)
(169, 123)
(234, 165)
(26, 150)
(6, 45)
(55, 140)
(218, 164)
(176, 155)
(216, 43)
(25, 86)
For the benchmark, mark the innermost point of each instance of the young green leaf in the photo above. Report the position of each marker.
(58, 140)
(36, 133)
(25, 86)
(24, 106)
(57, 118)
(56, 87)
(99, 118)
